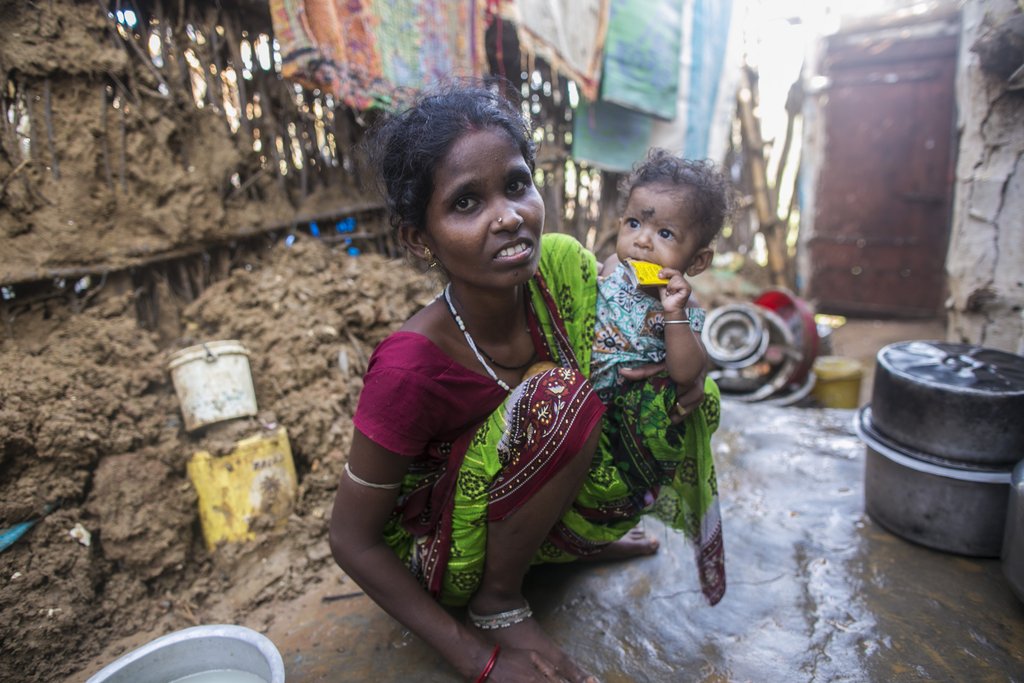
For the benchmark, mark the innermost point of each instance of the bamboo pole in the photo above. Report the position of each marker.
(768, 221)
(235, 52)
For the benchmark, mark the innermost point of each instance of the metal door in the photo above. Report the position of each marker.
(884, 195)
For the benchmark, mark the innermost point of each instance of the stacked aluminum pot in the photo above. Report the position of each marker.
(943, 431)
(764, 350)
(1013, 539)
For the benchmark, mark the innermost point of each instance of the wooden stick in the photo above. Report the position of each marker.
(794, 106)
(181, 270)
(169, 48)
(768, 220)
(212, 81)
(248, 182)
(103, 105)
(793, 197)
(124, 145)
(304, 171)
(272, 127)
(234, 47)
(755, 148)
(10, 176)
(33, 135)
(8, 127)
(27, 95)
(787, 143)
(143, 56)
(48, 110)
(217, 48)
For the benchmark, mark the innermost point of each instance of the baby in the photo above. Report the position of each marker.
(674, 209)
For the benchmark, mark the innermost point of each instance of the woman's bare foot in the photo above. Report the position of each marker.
(635, 543)
(528, 635)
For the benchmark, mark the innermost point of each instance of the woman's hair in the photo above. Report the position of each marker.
(405, 148)
(708, 195)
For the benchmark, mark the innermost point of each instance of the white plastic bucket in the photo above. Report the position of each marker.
(213, 382)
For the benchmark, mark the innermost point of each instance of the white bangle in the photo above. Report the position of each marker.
(370, 484)
(677, 322)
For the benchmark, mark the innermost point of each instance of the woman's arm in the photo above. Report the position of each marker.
(356, 536)
(356, 527)
(688, 397)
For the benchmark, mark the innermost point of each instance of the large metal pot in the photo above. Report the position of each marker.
(938, 503)
(954, 401)
(1013, 540)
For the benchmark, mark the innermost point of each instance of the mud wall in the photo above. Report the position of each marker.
(141, 134)
(986, 254)
(92, 442)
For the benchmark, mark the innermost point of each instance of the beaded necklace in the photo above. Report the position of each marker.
(469, 340)
(530, 360)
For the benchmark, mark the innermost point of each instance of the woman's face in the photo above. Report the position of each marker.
(485, 216)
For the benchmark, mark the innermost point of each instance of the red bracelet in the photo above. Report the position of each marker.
(486, 673)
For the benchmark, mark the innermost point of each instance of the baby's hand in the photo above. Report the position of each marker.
(676, 294)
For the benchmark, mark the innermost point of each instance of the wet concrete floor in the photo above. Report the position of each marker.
(817, 591)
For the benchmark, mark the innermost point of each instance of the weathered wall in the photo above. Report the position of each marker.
(986, 255)
(125, 142)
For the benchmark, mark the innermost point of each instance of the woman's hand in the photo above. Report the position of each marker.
(688, 398)
(514, 665)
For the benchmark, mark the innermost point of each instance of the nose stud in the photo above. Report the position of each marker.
(499, 220)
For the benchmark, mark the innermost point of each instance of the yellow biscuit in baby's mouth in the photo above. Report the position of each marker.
(644, 273)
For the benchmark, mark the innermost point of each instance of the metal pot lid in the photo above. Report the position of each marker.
(962, 367)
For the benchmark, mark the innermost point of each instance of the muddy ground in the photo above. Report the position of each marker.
(90, 425)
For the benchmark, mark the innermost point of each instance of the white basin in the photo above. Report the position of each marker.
(199, 653)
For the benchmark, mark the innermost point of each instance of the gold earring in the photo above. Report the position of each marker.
(431, 261)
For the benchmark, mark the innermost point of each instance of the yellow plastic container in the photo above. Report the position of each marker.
(837, 381)
(257, 479)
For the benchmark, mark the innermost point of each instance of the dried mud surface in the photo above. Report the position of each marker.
(90, 426)
(101, 169)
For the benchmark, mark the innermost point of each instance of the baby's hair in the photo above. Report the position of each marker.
(406, 147)
(705, 190)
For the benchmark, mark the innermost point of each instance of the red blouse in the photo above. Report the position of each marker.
(413, 394)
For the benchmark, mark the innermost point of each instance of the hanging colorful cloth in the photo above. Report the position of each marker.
(364, 51)
(568, 34)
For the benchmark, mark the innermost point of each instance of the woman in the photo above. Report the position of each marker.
(477, 427)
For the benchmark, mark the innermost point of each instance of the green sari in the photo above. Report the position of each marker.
(674, 480)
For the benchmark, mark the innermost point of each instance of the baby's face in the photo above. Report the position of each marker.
(656, 227)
